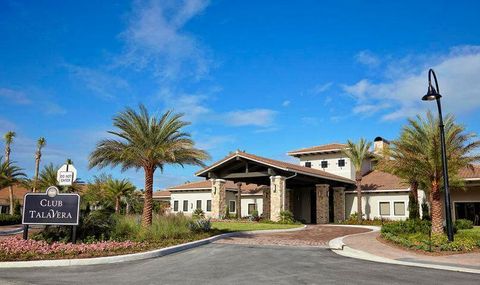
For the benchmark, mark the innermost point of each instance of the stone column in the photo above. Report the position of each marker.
(239, 200)
(277, 192)
(219, 198)
(338, 204)
(266, 204)
(322, 203)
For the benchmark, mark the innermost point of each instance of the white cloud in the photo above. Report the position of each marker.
(286, 103)
(457, 72)
(367, 58)
(320, 88)
(14, 96)
(192, 105)
(101, 83)
(212, 142)
(251, 117)
(155, 40)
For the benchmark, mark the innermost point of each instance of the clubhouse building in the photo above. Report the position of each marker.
(319, 189)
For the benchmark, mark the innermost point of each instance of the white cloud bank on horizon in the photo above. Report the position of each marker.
(457, 72)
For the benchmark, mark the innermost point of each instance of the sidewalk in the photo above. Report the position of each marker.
(368, 243)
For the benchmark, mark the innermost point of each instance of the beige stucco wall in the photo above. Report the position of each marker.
(258, 200)
(347, 171)
(470, 194)
(371, 204)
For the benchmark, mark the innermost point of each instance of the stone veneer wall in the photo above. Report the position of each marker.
(218, 198)
(277, 190)
(338, 204)
(266, 204)
(322, 203)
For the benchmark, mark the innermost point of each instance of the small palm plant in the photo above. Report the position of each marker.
(117, 190)
(357, 153)
(38, 155)
(146, 142)
(10, 174)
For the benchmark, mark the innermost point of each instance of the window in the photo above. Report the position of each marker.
(231, 207)
(384, 208)
(341, 162)
(185, 205)
(199, 204)
(324, 164)
(251, 208)
(308, 164)
(399, 208)
(175, 206)
(209, 205)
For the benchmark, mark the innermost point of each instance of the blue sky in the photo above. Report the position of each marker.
(262, 76)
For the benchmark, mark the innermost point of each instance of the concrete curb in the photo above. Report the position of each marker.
(134, 256)
(337, 243)
(338, 246)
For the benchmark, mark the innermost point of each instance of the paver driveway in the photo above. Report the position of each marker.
(313, 235)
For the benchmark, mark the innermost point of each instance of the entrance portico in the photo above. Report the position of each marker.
(312, 195)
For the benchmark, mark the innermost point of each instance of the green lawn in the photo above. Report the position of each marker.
(252, 226)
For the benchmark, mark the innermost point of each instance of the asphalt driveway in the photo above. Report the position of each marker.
(240, 264)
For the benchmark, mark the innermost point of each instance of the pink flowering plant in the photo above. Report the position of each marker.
(15, 248)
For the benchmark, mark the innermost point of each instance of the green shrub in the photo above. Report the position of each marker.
(463, 224)
(425, 211)
(459, 244)
(413, 211)
(255, 217)
(407, 227)
(6, 219)
(286, 217)
(198, 214)
(17, 208)
(97, 224)
(202, 225)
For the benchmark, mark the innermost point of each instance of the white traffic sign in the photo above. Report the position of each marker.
(66, 175)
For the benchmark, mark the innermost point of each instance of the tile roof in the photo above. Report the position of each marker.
(18, 192)
(161, 194)
(319, 148)
(281, 165)
(379, 180)
(470, 172)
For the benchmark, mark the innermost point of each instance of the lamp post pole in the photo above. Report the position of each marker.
(433, 93)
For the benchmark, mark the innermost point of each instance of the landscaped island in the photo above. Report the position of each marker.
(103, 234)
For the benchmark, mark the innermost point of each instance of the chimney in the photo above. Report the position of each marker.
(379, 145)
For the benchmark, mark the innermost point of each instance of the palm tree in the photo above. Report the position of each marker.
(358, 152)
(117, 190)
(10, 174)
(425, 154)
(8, 141)
(48, 177)
(38, 155)
(148, 142)
(397, 160)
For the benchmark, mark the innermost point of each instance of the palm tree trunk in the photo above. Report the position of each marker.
(127, 208)
(10, 188)
(37, 166)
(359, 196)
(414, 206)
(436, 208)
(117, 205)
(148, 203)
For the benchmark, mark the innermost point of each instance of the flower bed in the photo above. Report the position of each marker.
(15, 248)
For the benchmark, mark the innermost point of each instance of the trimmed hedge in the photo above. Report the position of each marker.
(6, 219)
(463, 224)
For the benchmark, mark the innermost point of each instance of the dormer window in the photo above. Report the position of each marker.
(308, 164)
(324, 164)
(341, 163)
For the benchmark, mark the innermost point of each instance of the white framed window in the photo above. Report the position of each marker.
(199, 204)
(175, 206)
(232, 206)
(308, 164)
(324, 164)
(384, 208)
(399, 208)
(341, 162)
(209, 205)
(251, 208)
(185, 205)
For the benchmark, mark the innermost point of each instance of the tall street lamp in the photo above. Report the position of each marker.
(433, 93)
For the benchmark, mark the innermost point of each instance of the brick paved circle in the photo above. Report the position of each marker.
(313, 235)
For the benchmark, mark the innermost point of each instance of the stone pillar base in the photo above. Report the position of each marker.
(338, 204)
(323, 216)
